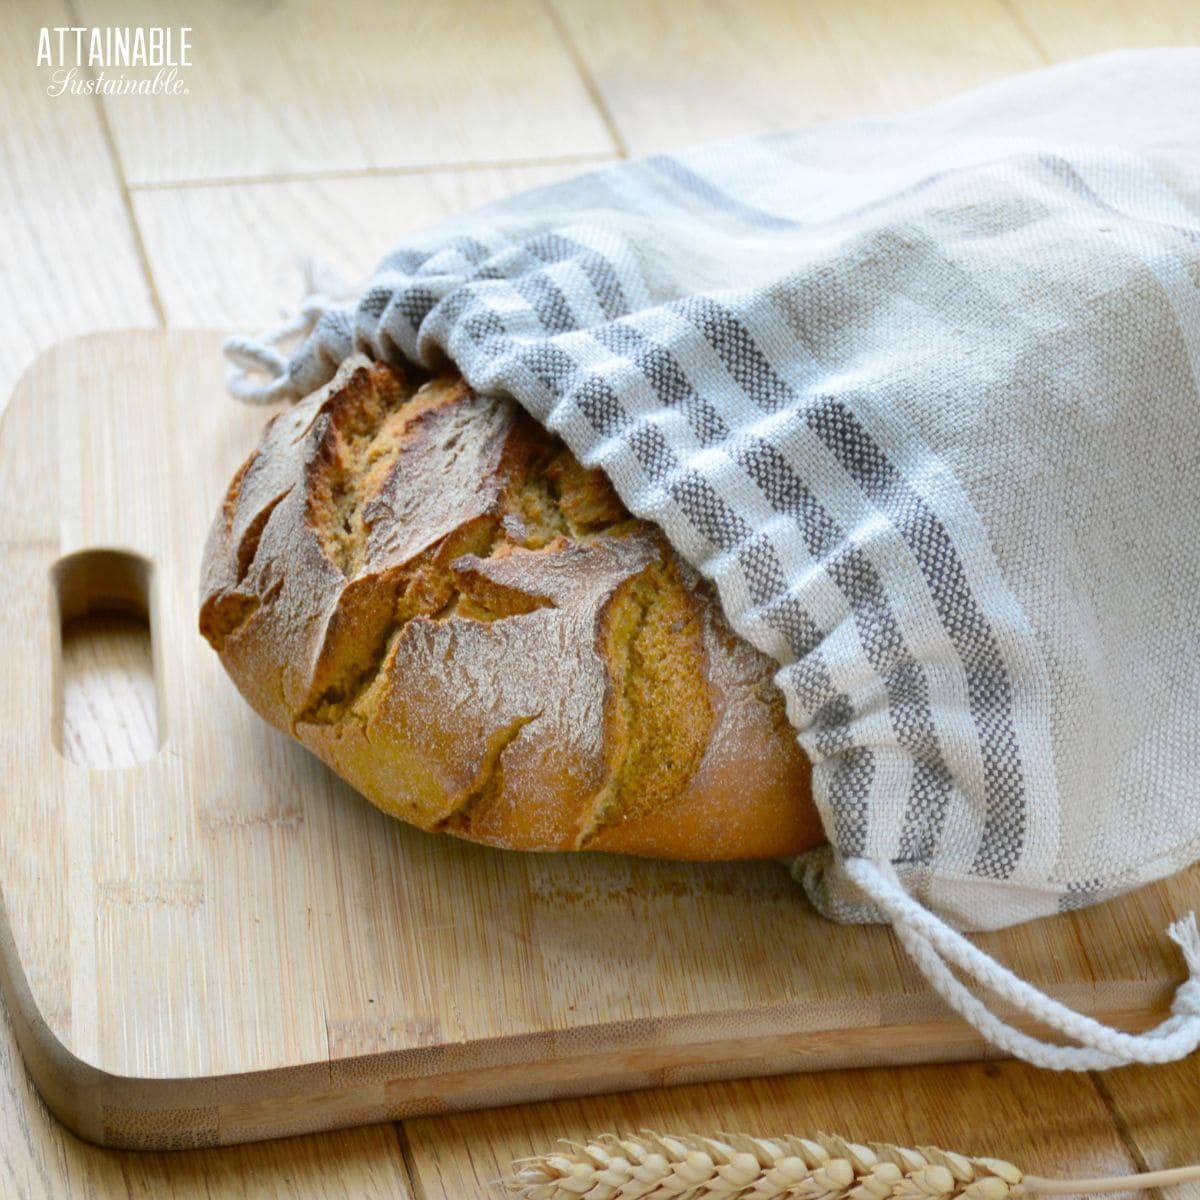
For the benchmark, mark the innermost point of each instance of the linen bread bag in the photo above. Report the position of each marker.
(920, 396)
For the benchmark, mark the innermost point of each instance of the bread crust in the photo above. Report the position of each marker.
(427, 590)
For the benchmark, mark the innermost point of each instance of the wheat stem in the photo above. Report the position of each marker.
(1036, 1185)
(650, 1166)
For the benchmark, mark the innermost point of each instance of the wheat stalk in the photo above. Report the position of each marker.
(648, 1166)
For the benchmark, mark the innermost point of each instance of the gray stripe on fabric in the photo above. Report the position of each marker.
(962, 745)
(925, 813)
(849, 794)
(761, 568)
(416, 304)
(737, 349)
(593, 396)
(650, 448)
(541, 254)
(472, 249)
(706, 510)
(547, 300)
(786, 492)
(561, 375)
(601, 274)
(810, 681)
(666, 377)
(989, 689)
(711, 516)
(850, 770)
(374, 301)
(791, 618)
(756, 556)
(416, 301)
(599, 403)
(413, 304)
(883, 642)
(700, 187)
(552, 366)
(483, 324)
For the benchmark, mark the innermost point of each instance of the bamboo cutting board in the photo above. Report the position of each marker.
(224, 943)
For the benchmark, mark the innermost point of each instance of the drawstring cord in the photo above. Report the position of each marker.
(934, 947)
(252, 357)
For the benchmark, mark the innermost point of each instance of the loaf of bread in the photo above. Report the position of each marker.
(427, 590)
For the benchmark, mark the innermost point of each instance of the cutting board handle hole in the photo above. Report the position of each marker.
(106, 662)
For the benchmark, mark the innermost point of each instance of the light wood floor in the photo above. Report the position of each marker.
(330, 130)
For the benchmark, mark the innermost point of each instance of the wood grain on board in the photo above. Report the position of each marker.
(283, 90)
(107, 691)
(40, 1159)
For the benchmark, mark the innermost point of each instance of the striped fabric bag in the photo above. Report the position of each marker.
(921, 396)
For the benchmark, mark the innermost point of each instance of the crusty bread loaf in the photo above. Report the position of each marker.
(427, 590)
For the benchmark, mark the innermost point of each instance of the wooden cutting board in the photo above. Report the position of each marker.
(225, 943)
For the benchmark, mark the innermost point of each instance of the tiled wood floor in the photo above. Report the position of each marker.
(330, 130)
